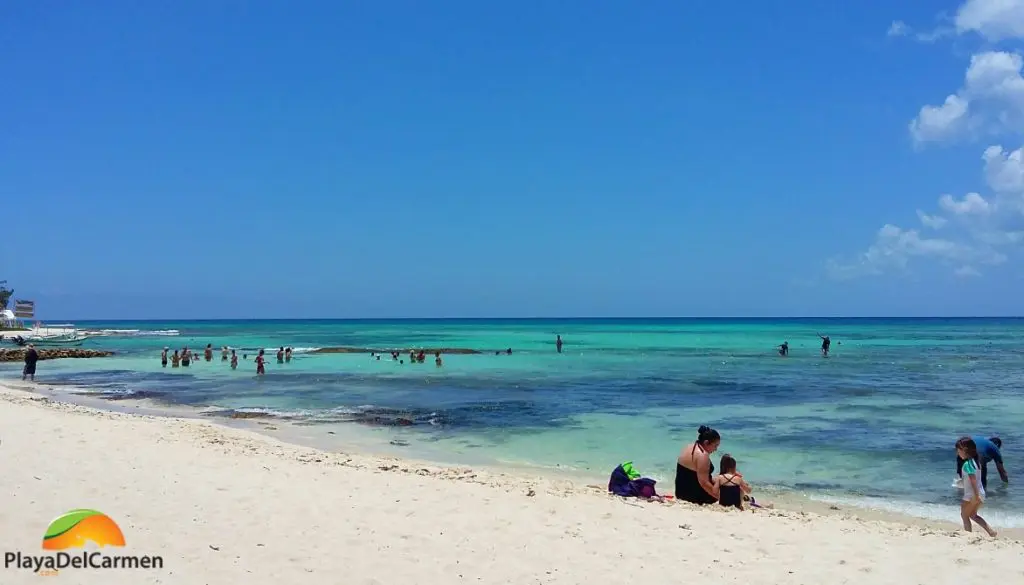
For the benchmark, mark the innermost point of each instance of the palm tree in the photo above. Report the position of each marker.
(5, 294)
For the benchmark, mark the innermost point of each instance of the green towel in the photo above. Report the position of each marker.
(628, 468)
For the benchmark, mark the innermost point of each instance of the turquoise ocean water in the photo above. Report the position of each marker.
(873, 425)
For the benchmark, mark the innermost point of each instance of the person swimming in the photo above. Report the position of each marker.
(694, 481)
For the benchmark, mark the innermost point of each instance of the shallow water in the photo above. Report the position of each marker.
(872, 425)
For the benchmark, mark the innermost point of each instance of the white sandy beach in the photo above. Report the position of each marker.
(222, 505)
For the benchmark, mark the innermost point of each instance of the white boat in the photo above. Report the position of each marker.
(57, 340)
(64, 334)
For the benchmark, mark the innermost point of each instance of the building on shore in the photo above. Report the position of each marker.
(8, 320)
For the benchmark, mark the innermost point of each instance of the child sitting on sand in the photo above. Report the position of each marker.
(732, 489)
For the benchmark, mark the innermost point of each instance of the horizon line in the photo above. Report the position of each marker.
(607, 318)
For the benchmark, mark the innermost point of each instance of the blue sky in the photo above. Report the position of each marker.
(352, 159)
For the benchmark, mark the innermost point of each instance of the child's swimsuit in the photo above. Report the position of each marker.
(730, 494)
(970, 467)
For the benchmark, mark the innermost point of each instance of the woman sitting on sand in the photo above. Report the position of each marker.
(694, 468)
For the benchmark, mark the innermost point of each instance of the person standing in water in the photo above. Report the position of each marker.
(558, 343)
(234, 360)
(784, 349)
(224, 354)
(208, 354)
(31, 357)
(260, 368)
(288, 355)
(988, 450)
(186, 357)
(280, 355)
(163, 357)
(826, 342)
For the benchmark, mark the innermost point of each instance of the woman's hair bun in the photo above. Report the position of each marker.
(706, 434)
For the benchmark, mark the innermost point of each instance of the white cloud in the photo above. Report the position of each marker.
(991, 100)
(898, 28)
(1004, 171)
(971, 204)
(993, 19)
(966, 271)
(894, 248)
(978, 230)
(938, 123)
(932, 221)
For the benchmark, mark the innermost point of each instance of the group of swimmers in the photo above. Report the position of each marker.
(826, 345)
(414, 358)
(185, 357)
(696, 482)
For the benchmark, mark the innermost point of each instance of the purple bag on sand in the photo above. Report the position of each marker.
(621, 484)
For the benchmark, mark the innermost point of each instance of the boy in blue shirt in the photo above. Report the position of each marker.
(988, 450)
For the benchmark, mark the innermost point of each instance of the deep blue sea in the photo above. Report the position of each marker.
(872, 425)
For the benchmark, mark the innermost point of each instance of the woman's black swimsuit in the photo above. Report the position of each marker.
(688, 487)
(730, 494)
